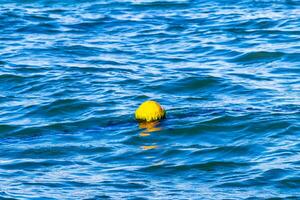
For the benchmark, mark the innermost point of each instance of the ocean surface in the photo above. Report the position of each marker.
(72, 74)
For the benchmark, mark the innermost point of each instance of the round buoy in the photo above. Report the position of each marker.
(150, 111)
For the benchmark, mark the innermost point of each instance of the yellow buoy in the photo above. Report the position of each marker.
(150, 111)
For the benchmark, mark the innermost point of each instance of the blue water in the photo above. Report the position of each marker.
(72, 74)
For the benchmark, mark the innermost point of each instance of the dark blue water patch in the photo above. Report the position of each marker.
(39, 28)
(254, 56)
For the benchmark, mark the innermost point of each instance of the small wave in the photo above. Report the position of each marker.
(208, 166)
(160, 4)
(258, 56)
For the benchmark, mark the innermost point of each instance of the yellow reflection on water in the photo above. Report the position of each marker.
(149, 127)
(144, 134)
(149, 147)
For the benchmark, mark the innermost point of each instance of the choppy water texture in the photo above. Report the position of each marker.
(73, 72)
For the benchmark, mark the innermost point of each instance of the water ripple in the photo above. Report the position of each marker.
(72, 74)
